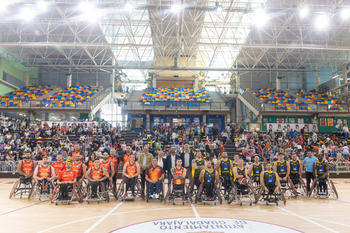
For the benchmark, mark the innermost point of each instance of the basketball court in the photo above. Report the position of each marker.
(298, 215)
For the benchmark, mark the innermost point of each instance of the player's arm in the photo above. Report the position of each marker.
(246, 175)
(327, 170)
(236, 173)
(19, 170)
(183, 176)
(124, 170)
(194, 164)
(250, 170)
(217, 179)
(105, 174)
(301, 171)
(36, 174)
(217, 166)
(112, 170)
(288, 170)
(201, 175)
(74, 181)
(277, 182)
(87, 174)
(53, 174)
(83, 168)
(138, 170)
(262, 182)
(262, 169)
(275, 167)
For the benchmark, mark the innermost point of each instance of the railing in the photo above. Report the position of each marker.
(218, 90)
(130, 91)
(175, 106)
(255, 102)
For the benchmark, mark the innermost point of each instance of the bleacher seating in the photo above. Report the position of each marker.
(73, 96)
(278, 99)
(321, 99)
(22, 96)
(190, 95)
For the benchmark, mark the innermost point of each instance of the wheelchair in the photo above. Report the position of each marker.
(192, 188)
(37, 190)
(254, 182)
(240, 191)
(301, 190)
(22, 187)
(111, 189)
(182, 193)
(275, 199)
(288, 189)
(73, 195)
(138, 192)
(161, 192)
(331, 191)
(202, 195)
(101, 193)
(225, 188)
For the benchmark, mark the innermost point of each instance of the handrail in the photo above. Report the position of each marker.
(130, 92)
(218, 90)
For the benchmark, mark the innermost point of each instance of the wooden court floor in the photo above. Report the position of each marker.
(300, 215)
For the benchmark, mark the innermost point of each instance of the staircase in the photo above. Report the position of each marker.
(129, 136)
(250, 100)
(29, 103)
(230, 149)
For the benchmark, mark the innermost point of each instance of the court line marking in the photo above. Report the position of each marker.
(343, 201)
(195, 211)
(133, 211)
(103, 218)
(305, 218)
(22, 208)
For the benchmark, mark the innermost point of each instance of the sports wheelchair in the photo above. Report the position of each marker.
(161, 192)
(192, 188)
(271, 198)
(37, 190)
(242, 190)
(225, 186)
(138, 192)
(301, 189)
(22, 187)
(254, 182)
(288, 189)
(331, 191)
(101, 192)
(110, 188)
(73, 195)
(173, 193)
(202, 195)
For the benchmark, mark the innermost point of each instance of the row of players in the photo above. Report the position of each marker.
(203, 172)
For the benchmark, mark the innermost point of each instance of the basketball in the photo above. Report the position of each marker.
(242, 181)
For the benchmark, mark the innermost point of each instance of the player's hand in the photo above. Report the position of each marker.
(266, 190)
(276, 190)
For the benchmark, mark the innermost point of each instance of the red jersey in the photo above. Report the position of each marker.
(114, 160)
(90, 164)
(74, 153)
(58, 167)
(78, 168)
(27, 168)
(178, 172)
(131, 169)
(126, 158)
(96, 174)
(66, 176)
(107, 166)
(44, 172)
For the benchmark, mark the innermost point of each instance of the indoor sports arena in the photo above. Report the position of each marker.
(207, 116)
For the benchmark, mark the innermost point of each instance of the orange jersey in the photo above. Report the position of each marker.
(131, 169)
(27, 168)
(44, 172)
(66, 176)
(58, 167)
(90, 164)
(107, 166)
(178, 172)
(114, 160)
(74, 153)
(78, 168)
(96, 174)
(154, 173)
(126, 158)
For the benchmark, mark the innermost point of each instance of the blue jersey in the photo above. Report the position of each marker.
(309, 163)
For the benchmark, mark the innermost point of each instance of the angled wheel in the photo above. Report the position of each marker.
(232, 194)
(303, 187)
(55, 193)
(105, 194)
(199, 193)
(140, 190)
(161, 198)
(312, 187)
(84, 191)
(333, 188)
(33, 190)
(167, 194)
(254, 195)
(14, 188)
(260, 193)
(76, 194)
(218, 193)
(282, 197)
(113, 190)
(188, 195)
(120, 190)
(291, 185)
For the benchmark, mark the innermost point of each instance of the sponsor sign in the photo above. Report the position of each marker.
(213, 225)
(297, 127)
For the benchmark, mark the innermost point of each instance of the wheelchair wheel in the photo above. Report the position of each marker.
(147, 192)
(190, 187)
(161, 197)
(290, 182)
(260, 193)
(34, 189)
(333, 188)
(199, 193)
(76, 194)
(232, 194)
(303, 187)
(14, 188)
(253, 192)
(111, 187)
(140, 189)
(84, 191)
(120, 190)
(188, 194)
(282, 198)
(105, 194)
(167, 194)
(55, 193)
(312, 187)
(218, 194)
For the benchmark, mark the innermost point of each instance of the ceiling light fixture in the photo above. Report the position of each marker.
(175, 8)
(345, 13)
(90, 12)
(322, 21)
(218, 7)
(260, 17)
(42, 6)
(27, 14)
(304, 12)
(128, 8)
